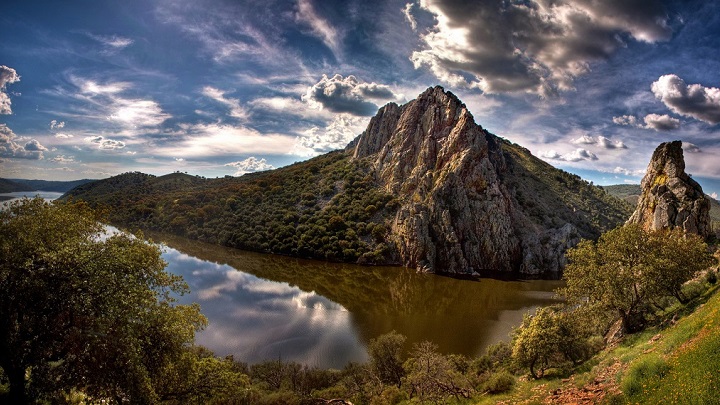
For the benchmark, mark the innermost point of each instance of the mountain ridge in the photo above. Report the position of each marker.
(423, 186)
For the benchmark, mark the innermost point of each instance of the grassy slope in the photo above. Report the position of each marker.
(676, 365)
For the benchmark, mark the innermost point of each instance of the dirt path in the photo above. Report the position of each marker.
(593, 392)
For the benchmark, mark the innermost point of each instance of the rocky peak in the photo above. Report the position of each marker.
(670, 198)
(456, 215)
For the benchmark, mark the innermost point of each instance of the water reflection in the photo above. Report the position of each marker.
(267, 307)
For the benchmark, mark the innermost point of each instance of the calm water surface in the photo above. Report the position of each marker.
(266, 307)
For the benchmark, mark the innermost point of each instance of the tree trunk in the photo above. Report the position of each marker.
(17, 394)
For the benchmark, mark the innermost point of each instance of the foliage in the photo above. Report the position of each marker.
(386, 359)
(647, 372)
(433, 377)
(628, 269)
(499, 383)
(550, 338)
(83, 310)
(326, 208)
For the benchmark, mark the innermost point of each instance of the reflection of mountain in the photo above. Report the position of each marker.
(459, 315)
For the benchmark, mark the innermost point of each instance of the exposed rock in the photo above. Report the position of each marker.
(456, 214)
(670, 198)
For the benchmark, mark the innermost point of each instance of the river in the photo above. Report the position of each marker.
(268, 307)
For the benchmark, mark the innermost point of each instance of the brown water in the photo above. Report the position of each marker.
(263, 307)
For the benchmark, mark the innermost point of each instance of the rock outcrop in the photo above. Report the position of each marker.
(670, 198)
(456, 214)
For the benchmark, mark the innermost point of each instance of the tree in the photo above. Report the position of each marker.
(386, 357)
(549, 338)
(84, 310)
(432, 376)
(629, 268)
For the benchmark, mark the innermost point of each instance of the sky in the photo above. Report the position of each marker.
(91, 89)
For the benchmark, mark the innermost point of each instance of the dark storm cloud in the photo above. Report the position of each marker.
(347, 95)
(537, 46)
(694, 100)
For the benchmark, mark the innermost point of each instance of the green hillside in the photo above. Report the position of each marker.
(9, 186)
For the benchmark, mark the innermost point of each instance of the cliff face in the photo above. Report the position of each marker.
(670, 198)
(456, 213)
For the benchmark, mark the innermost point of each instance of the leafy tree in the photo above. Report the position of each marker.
(386, 357)
(550, 338)
(84, 310)
(629, 268)
(433, 377)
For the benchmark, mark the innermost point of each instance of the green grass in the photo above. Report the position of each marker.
(685, 366)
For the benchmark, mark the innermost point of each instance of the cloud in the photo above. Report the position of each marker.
(691, 147)
(695, 100)
(600, 141)
(336, 135)
(8, 75)
(112, 41)
(661, 122)
(54, 124)
(533, 46)
(104, 143)
(628, 172)
(9, 148)
(236, 110)
(656, 122)
(63, 159)
(249, 165)
(60, 135)
(407, 11)
(574, 156)
(319, 26)
(128, 112)
(207, 140)
(347, 95)
(714, 196)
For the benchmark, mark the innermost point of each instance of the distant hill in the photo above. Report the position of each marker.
(424, 186)
(9, 186)
(50, 185)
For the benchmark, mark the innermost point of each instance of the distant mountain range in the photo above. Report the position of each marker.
(423, 186)
(16, 185)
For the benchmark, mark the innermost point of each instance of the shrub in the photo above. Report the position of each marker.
(499, 383)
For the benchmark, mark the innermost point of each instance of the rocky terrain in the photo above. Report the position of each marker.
(423, 186)
(670, 198)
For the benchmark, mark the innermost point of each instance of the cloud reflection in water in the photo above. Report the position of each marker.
(256, 319)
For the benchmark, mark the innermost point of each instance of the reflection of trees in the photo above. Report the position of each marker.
(456, 314)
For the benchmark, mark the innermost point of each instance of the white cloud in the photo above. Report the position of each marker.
(63, 159)
(599, 141)
(113, 41)
(656, 122)
(348, 95)
(249, 165)
(407, 11)
(137, 113)
(691, 147)
(54, 124)
(10, 148)
(694, 100)
(320, 27)
(236, 110)
(336, 135)
(574, 156)
(8, 75)
(714, 196)
(628, 172)
(206, 140)
(533, 46)
(104, 143)
(661, 122)
(60, 135)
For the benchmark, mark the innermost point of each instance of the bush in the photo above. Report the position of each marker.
(711, 276)
(499, 383)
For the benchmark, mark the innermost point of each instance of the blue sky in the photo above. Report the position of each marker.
(90, 89)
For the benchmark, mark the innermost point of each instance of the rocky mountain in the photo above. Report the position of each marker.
(423, 186)
(669, 197)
